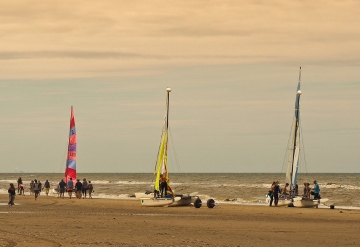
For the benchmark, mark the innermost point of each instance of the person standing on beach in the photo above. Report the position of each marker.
(40, 187)
(22, 191)
(19, 181)
(271, 193)
(47, 187)
(31, 187)
(62, 188)
(70, 187)
(78, 189)
(90, 189)
(163, 186)
(276, 193)
(12, 193)
(316, 190)
(36, 189)
(84, 187)
(305, 194)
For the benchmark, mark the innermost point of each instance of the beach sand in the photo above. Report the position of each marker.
(52, 221)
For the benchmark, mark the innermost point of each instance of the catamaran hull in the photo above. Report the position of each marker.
(182, 200)
(283, 202)
(140, 195)
(185, 200)
(156, 202)
(306, 203)
(309, 203)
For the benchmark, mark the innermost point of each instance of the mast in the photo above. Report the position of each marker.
(161, 163)
(168, 90)
(296, 135)
(165, 169)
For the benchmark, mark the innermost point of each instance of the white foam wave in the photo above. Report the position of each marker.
(8, 181)
(340, 186)
(132, 182)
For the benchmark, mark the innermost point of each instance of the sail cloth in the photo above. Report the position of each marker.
(70, 171)
(161, 169)
(162, 159)
(294, 144)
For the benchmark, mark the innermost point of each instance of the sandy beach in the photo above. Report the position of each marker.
(52, 221)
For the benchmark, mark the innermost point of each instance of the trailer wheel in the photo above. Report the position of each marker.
(197, 203)
(210, 203)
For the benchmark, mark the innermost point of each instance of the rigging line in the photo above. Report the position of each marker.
(286, 156)
(156, 160)
(303, 149)
(173, 149)
(61, 166)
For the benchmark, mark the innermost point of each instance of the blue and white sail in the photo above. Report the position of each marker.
(294, 143)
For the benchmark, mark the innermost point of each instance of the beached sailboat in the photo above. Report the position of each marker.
(163, 195)
(70, 170)
(161, 169)
(293, 154)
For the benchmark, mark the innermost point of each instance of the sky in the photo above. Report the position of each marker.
(232, 66)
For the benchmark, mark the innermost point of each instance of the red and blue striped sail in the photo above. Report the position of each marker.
(70, 171)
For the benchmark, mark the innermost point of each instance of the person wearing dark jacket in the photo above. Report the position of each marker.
(276, 192)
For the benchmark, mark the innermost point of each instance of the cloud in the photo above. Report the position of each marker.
(68, 54)
(114, 38)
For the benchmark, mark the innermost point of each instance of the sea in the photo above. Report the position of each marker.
(342, 189)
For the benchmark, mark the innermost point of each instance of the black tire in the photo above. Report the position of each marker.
(197, 203)
(210, 203)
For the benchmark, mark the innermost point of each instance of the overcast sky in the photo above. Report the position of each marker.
(232, 65)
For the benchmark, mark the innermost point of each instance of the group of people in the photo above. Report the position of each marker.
(81, 189)
(276, 191)
(312, 191)
(35, 188)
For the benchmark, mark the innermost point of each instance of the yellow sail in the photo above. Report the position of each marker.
(162, 160)
(161, 163)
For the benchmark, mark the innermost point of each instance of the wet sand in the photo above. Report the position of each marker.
(52, 221)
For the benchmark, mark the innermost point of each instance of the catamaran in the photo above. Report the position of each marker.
(162, 179)
(70, 171)
(293, 154)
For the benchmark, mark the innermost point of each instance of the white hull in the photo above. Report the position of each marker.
(156, 202)
(309, 203)
(159, 202)
(283, 202)
(185, 200)
(181, 200)
(306, 203)
(140, 195)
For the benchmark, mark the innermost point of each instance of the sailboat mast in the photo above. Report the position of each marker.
(296, 144)
(161, 162)
(168, 90)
